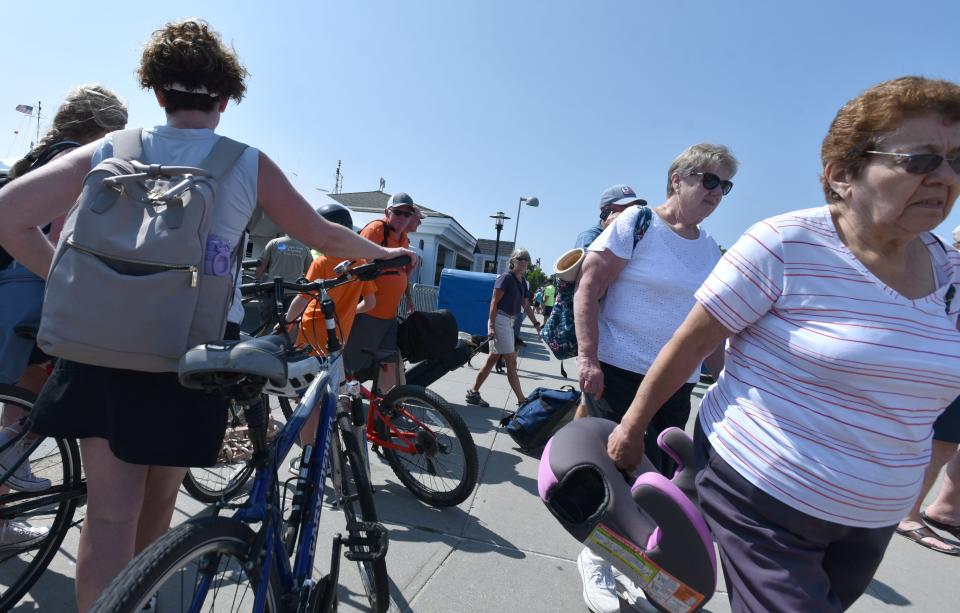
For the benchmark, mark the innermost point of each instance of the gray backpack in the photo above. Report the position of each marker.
(128, 286)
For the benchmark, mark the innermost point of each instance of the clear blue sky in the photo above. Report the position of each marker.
(470, 105)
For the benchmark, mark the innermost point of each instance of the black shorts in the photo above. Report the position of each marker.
(368, 332)
(146, 417)
(947, 426)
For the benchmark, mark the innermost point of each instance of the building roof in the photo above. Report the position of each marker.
(375, 202)
(485, 246)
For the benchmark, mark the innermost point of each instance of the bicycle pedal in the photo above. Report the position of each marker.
(370, 535)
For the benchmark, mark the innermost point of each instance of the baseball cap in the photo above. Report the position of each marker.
(403, 199)
(620, 194)
(956, 234)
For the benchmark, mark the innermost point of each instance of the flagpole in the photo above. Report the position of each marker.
(38, 121)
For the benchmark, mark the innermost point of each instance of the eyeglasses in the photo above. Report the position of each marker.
(402, 213)
(523, 259)
(711, 181)
(922, 163)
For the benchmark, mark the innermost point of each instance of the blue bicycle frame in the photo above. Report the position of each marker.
(323, 391)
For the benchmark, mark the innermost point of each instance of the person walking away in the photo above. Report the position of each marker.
(510, 296)
(377, 328)
(538, 301)
(549, 299)
(843, 324)
(88, 112)
(283, 257)
(134, 472)
(655, 274)
(350, 299)
(944, 513)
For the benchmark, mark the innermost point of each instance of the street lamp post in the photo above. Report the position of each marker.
(531, 201)
(500, 218)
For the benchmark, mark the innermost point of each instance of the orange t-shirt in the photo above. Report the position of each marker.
(390, 287)
(346, 297)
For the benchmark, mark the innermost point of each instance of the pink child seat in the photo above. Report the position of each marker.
(651, 531)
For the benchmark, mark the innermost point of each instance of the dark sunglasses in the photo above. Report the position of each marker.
(922, 163)
(711, 181)
(403, 213)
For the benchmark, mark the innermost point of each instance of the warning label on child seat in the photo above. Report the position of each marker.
(659, 585)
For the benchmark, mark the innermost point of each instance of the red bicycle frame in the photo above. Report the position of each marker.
(403, 441)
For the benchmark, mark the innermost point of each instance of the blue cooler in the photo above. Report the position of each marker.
(467, 295)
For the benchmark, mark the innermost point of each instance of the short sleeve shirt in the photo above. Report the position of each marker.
(346, 297)
(832, 379)
(549, 296)
(514, 292)
(653, 293)
(391, 287)
(287, 257)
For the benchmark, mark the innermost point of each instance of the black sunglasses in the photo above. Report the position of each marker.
(711, 181)
(403, 213)
(922, 163)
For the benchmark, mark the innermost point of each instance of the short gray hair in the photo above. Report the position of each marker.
(518, 253)
(697, 157)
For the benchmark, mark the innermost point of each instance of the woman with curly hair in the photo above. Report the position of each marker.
(134, 471)
(88, 113)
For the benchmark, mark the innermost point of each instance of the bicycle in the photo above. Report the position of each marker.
(424, 441)
(52, 508)
(194, 561)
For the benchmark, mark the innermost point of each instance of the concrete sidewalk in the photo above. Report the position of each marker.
(501, 550)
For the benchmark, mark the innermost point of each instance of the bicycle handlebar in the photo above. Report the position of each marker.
(364, 272)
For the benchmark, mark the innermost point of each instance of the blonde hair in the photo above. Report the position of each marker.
(87, 112)
(697, 157)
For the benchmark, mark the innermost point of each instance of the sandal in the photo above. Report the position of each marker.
(953, 531)
(918, 534)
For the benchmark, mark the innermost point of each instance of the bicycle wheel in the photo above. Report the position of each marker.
(442, 471)
(356, 501)
(226, 479)
(51, 509)
(197, 566)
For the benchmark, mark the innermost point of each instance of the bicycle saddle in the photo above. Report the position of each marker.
(650, 530)
(219, 364)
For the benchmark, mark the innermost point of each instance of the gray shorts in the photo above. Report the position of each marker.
(503, 342)
(368, 333)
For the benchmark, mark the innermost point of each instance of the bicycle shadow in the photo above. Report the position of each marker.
(54, 591)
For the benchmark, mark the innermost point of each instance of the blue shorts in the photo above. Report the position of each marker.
(947, 426)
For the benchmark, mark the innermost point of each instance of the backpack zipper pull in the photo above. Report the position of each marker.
(193, 276)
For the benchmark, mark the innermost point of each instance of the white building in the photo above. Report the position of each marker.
(483, 256)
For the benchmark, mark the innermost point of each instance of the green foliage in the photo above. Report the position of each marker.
(535, 278)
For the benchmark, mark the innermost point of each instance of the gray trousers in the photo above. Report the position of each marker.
(776, 558)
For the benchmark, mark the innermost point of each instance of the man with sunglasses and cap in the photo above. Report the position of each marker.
(377, 328)
(613, 201)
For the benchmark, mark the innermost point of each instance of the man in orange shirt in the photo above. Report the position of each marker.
(350, 299)
(377, 328)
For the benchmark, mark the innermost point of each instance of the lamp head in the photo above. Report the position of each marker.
(531, 201)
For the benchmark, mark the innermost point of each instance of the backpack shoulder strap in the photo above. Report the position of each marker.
(952, 290)
(127, 144)
(222, 158)
(51, 152)
(386, 230)
(643, 223)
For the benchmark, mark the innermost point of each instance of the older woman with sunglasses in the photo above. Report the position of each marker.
(647, 285)
(843, 350)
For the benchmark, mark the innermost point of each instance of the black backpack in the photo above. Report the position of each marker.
(45, 156)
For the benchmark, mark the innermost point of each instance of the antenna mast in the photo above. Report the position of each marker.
(338, 182)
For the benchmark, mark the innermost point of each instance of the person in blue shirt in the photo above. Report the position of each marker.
(613, 201)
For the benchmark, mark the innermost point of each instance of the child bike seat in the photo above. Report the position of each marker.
(650, 530)
(220, 364)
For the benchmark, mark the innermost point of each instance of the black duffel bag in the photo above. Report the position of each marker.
(427, 336)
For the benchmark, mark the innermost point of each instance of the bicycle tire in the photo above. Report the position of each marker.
(192, 541)
(226, 479)
(421, 472)
(356, 502)
(59, 518)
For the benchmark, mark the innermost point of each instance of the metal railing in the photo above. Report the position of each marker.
(424, 298)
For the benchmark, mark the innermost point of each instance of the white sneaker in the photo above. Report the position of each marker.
(23, 479)
(599, 589)
(19, 535)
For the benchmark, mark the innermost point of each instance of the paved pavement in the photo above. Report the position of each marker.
(501, 550)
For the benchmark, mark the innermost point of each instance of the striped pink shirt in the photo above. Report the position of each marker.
(832, 380)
